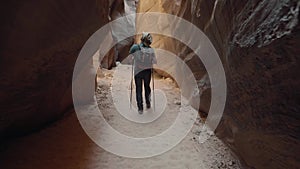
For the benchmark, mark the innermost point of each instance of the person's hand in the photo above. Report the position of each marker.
(130, 59)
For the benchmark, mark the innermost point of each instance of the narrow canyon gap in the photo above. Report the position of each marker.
(257, 41)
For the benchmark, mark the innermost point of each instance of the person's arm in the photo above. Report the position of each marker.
(131, 51)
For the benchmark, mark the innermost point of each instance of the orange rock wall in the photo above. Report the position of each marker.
(258, 44)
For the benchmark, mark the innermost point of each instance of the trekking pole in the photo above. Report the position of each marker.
(153, 89)
(131, 84)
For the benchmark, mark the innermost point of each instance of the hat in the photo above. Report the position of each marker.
(146, 37)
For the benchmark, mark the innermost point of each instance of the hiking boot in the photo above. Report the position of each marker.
(148, 105)
(140, 109)
(148, 100)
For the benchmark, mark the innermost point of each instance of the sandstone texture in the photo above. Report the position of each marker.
(119, 52)
(257, 41)
(40, 42)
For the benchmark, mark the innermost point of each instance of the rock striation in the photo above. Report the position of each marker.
(257, 41)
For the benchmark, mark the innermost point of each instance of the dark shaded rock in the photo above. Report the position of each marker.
(109, 60)
(258, 42)
(40, 42)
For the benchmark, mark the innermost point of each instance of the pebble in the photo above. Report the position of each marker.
(230, 163)
(197, 133)
(169, 79)
(177, 102)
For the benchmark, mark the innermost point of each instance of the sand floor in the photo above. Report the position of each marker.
(65, 145)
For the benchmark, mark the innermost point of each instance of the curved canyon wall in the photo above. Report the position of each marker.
(118, 9)
(40, 42)
(256, 40)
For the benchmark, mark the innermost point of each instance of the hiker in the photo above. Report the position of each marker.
(143, 59)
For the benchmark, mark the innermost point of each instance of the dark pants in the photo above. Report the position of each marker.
(143, 76)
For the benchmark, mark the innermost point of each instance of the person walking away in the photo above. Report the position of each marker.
(143, 57)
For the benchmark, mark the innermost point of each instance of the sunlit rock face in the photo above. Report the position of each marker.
(40, 41)
(257, 42)
(119, 9)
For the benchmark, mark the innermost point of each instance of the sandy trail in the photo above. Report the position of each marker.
(64, 144)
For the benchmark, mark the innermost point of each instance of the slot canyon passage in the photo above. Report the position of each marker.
(257, 42)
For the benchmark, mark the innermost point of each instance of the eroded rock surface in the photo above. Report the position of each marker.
(119, 52)
(257, 43)
(40, 42)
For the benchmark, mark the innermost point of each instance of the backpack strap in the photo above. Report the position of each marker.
(140, 46)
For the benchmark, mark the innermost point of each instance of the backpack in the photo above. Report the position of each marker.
(144, 58)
